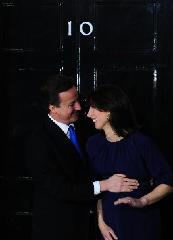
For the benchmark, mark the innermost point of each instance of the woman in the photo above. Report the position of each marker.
(120, 147)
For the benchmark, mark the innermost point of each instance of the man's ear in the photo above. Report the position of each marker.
(52, 108)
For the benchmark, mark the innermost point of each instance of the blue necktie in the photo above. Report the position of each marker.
(73, 138)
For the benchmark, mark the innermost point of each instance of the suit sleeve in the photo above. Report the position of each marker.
(51, 178)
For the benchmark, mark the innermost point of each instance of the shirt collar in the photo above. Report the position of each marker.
(63, 126)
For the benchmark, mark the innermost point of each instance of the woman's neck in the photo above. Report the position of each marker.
(111, 135)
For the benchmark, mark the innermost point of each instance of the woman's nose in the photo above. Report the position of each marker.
(89, 114)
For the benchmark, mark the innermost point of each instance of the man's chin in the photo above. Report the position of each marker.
(74, 118)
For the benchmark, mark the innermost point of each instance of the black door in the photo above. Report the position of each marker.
(128, 43)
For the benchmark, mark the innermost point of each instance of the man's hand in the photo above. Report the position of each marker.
(119, 183)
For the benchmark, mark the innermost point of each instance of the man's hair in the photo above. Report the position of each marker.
(55, 85)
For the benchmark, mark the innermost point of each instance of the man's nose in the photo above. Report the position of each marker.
(77, 106)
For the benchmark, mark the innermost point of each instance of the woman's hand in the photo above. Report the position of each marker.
(106, 231)
(133, 202)
(154, 196)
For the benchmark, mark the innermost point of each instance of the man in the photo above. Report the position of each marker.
(63, 191)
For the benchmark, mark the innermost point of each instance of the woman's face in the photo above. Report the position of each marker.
(99, 118)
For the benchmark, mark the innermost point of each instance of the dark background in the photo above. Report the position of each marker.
(131, 45)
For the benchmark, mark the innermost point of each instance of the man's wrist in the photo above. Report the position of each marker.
(104, 185)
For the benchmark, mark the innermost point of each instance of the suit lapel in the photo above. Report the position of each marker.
(62, 144)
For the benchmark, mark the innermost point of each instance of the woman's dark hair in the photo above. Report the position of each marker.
(113, 99)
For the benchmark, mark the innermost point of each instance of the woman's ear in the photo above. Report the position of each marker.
(108, 116)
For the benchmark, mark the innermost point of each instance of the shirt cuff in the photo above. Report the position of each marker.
(96, 187)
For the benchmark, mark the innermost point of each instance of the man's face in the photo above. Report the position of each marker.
(69, 107)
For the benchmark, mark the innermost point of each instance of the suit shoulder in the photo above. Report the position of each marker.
(36, 134)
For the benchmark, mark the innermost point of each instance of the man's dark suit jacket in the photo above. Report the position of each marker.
(63, 191)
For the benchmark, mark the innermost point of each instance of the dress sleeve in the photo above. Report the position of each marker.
(157, 163)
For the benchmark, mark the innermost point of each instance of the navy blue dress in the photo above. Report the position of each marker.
(137, 157)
